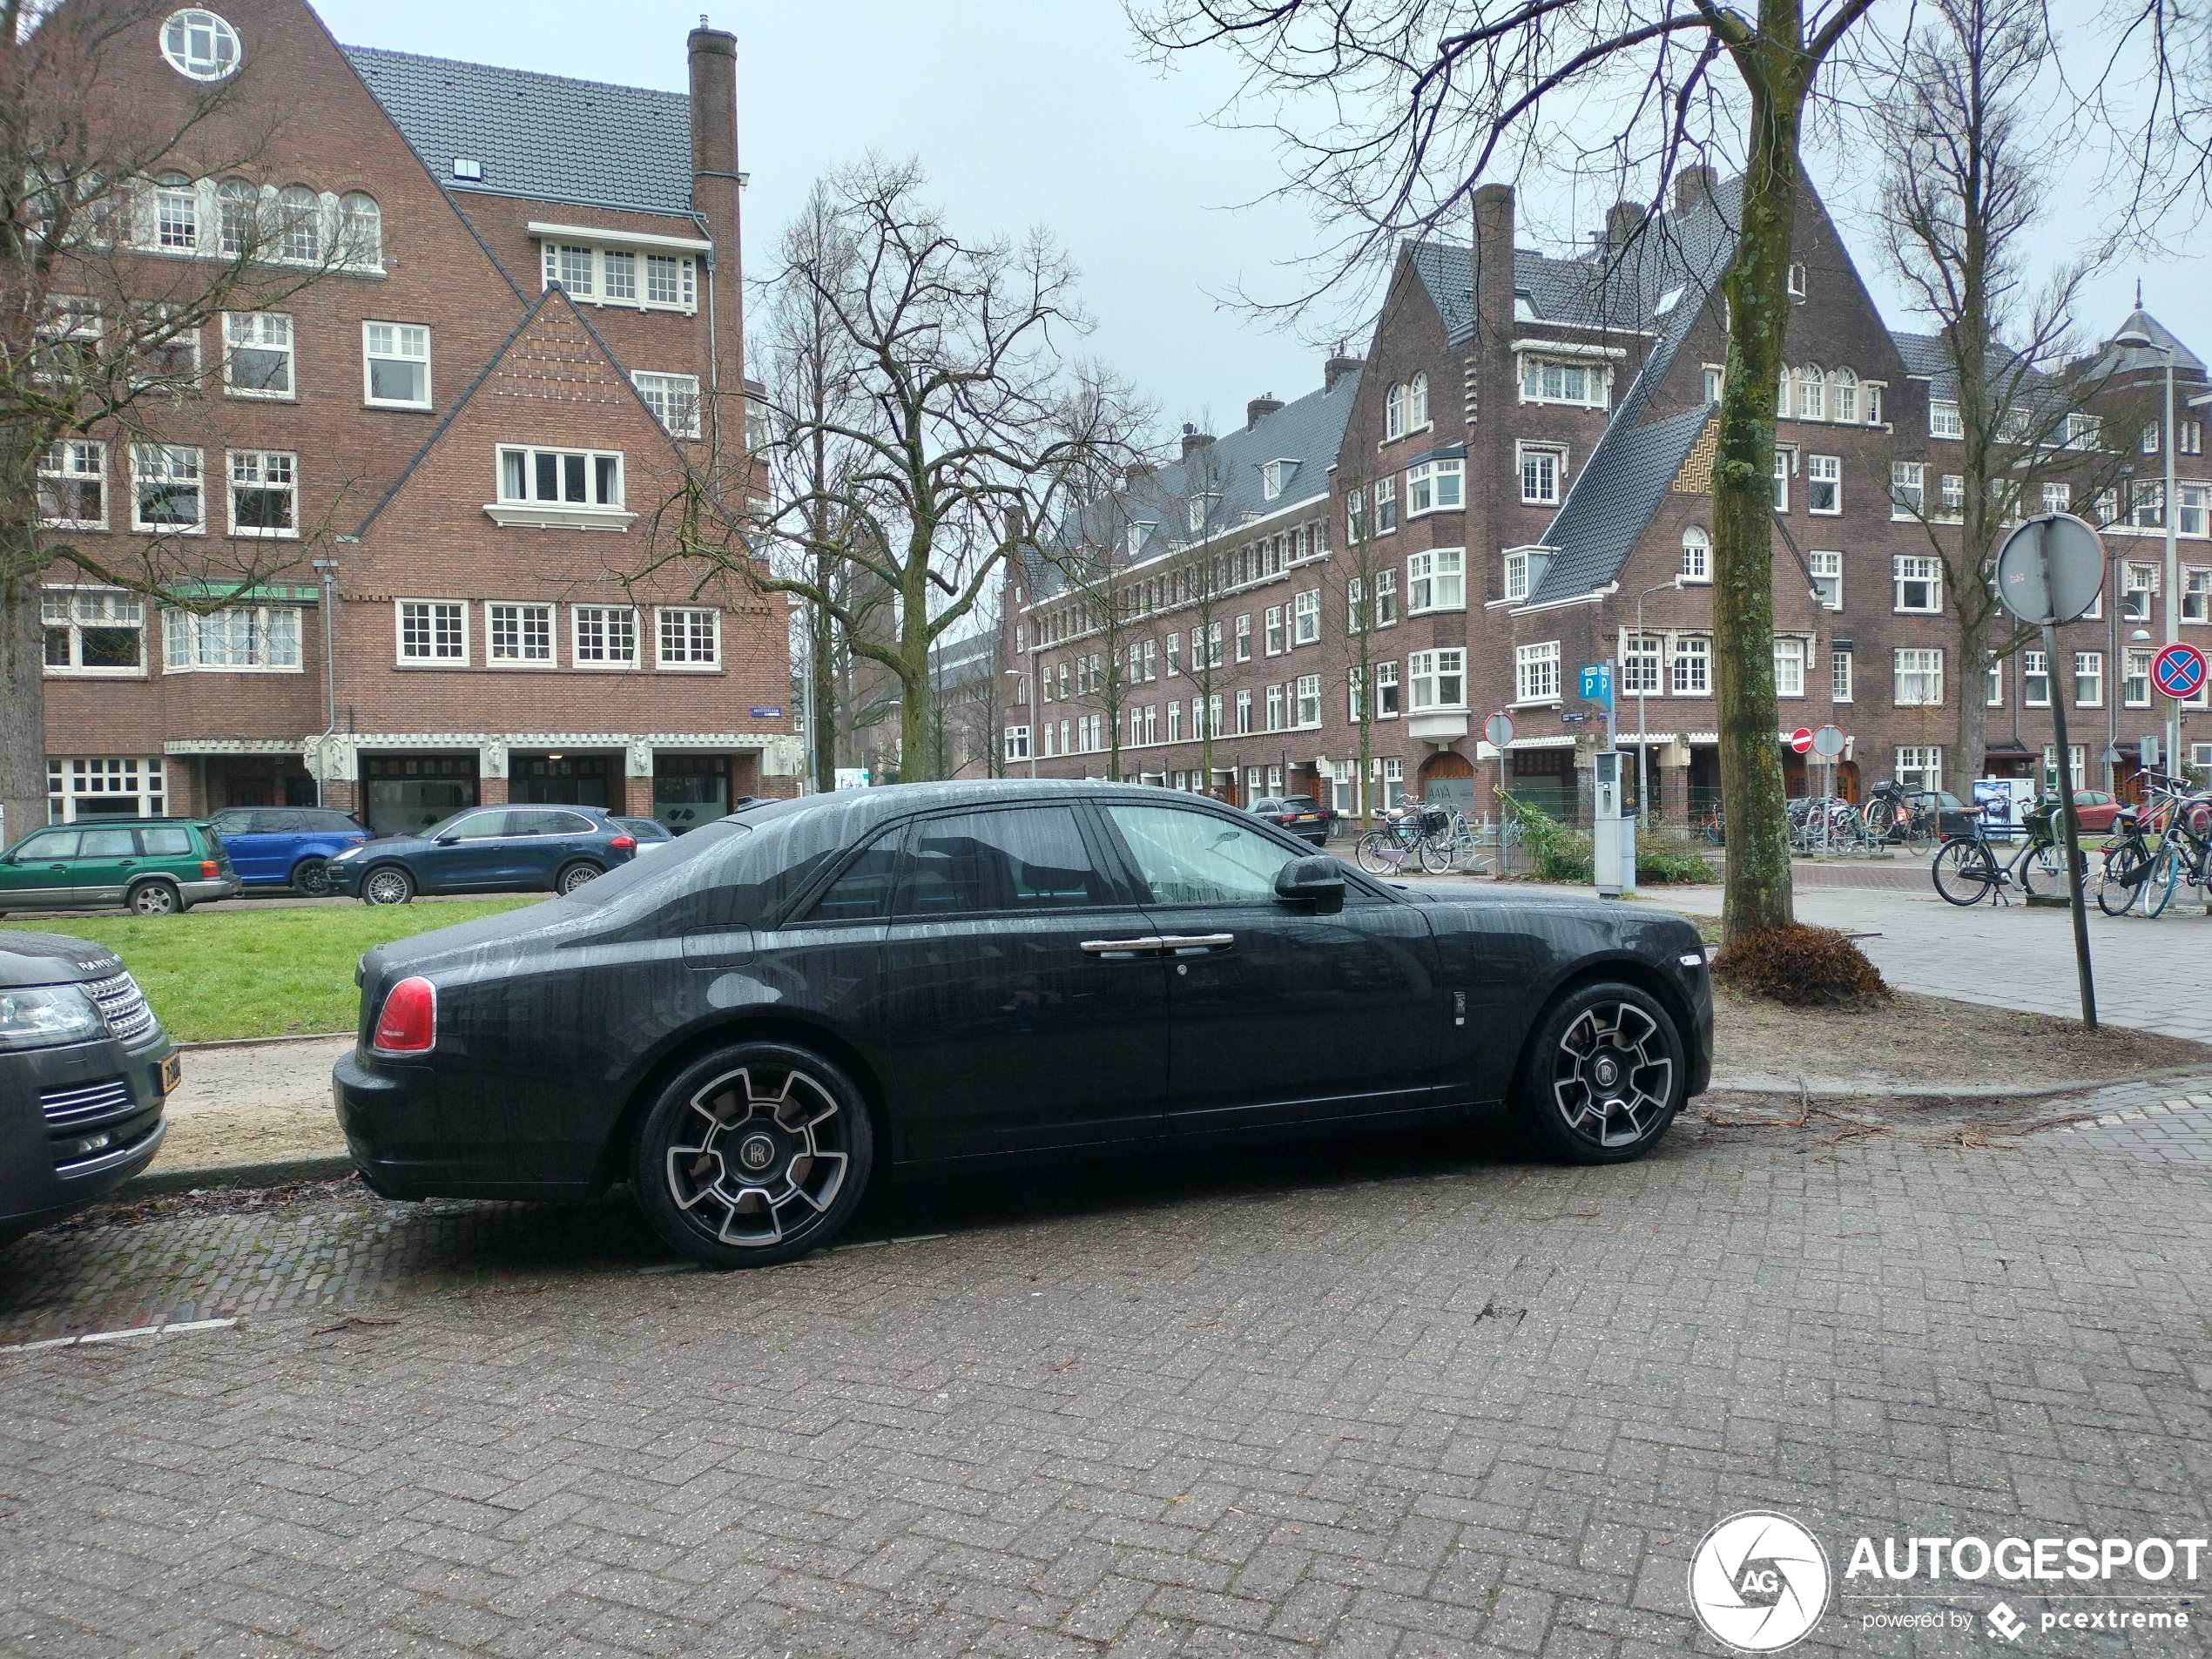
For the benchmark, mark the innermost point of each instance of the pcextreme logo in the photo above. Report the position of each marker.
(1759, 1582)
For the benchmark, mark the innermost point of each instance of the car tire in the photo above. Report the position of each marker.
(155, 898)
(573, 876)
(311, 878)
(1603, 1076)
(753, 1155)
(387, 884)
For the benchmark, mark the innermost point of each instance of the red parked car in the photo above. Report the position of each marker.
(2096, 810)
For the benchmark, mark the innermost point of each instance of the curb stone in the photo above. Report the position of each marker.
(265, 1043)
(275, 1172)
(1860, 1088)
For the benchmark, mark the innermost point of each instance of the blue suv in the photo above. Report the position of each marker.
(286, 846)
(488, 849)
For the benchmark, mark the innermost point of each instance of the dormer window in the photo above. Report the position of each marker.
(1944, 419)
(1274, 476)
(1554, 380)
(608, 267)
(1135, 542)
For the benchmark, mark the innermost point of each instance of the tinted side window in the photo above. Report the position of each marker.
(326, 822)
(54, 844)
(108, 844)
(862, 890)
(479, 827)
(276, 822)
(542, 822)
(235, 821)
(167, 840)
(1029, 858)
(1195, 858)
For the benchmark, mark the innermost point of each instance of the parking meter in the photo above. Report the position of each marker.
(1613, 833)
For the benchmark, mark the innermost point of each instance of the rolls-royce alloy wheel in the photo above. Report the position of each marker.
(754, 1156)
(1603, 1075)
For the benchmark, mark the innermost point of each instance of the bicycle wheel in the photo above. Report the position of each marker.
(1964, 871)
(1920, 832)
(2045, 865)
(1369, 850)
(1435, 855)
(2120, 882)
(2158, 885)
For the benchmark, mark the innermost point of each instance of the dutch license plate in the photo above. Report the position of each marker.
(167, 1075)
(1309, 818)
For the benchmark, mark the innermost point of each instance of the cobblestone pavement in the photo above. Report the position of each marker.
(1401, 1397)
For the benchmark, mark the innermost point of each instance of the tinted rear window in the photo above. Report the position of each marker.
(1029, 858)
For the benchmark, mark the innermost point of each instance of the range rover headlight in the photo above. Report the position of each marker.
(42, 1016)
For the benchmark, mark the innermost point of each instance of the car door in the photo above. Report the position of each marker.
(1013, 999)
(1280, 1014)
(106, 859)
(41, 871)
(236, 828)
(468, 856)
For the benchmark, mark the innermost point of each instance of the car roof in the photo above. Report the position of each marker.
(863, 809)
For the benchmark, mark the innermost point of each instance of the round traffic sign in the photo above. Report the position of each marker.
(2050, 569)
(2178, 671)
(1828, 742)
(1499, 730)
(1801, 740)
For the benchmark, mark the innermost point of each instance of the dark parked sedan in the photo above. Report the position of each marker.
(753, 1023)
(85, 1068)
(488, 849)
(1302, 815)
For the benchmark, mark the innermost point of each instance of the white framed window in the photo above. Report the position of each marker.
(72, 485)
(93, 633)
(560, 477)
(1918, 580)
(1827, 576)
(298, 222)
(1690, 671)
(609, 276)
(88, 788)
(1944, 419)
(395, 365)
(1435, 487)
(199, 45)
(1243, 638)
(1386, 507)
(2196, 593)
(1640, 655)
(1514, 587)
(1823, 484)
(1355, 516)
(1151, 659)
(1839, 673)
(1270, 480)
(2189, 435)
(1919, 765)
(1784, 458)
(2135, 685)
(1174, 721)
(1535, 674)
(168, 494)
(432, 631)
(1812, 393)
(1918, 682)
(1543, 468)
(176, 214)
(1243, 713)
(1438, 678)
(2137, 583)
(70, 336)
(1843, 396)
(245, 639)
(265, 494)
(237, 217)
(674, 400)
(1385, 598)
(1305, 620)
(2035, 680)
(2057, 498)
(167, 354)
(690, 637)
(1017, 743)
(1273, 638)
(602, 636)
(1552, 379)
(1394, 411)
(2088, 680)
(1908, 489)
(1274, 709)
(1417, 403)
(1436, 581)
(1993, 696)
(2148, 509)
(519, 636)
(1386, 689)
(1789, 667)
(1951, 495)
(1174, 654)
(1309, 699)
(1697, 555)
(2195, 500)
(1798, 282)
(258, 354)
(361, 232)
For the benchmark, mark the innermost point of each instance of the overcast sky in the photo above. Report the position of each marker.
(1042, 113)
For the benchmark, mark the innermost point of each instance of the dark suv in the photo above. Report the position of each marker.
(488, 849)
(287, 846)
(1302, 815)
(85, 1068)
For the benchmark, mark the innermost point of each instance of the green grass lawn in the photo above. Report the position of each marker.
(243, 971)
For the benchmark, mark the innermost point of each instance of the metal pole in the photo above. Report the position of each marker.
(2110, 689)
(2078, 896)
(328, 567)
(1643, 801)
(2166, 511)
(1036, 722)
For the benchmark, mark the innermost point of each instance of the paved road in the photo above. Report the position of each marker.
(1398, 1397)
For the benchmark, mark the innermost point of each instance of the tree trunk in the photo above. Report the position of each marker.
(1757, 893)
(22, 741)
(821, 671)
(1973, 735)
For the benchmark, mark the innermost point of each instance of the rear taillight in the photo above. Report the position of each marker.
(1286, 817)
(408, 1021)
(207, 870)
(625, 844)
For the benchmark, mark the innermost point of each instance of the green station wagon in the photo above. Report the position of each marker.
(155, 867)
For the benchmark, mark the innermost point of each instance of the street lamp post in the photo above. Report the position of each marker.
(1644, 797)
(2136, 337)
(1029, 675)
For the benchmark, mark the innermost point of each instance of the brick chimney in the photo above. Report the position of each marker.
(1259, 409)
(1337, 367)
(1694, 186)
(715, 199)
(1493, 264)
(1622, 221)
(1194, 440)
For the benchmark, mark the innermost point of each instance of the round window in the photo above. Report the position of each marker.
(199, 44)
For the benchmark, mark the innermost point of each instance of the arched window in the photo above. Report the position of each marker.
(239, 205)
(361, 230)
(1417, 403)
(1843, 396)
(1394, 411)
(299, 224)
(1783, 405)
(1697, 556)
(176, 212)
(1812, 393)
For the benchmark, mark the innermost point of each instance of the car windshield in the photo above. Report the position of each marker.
(674, 865)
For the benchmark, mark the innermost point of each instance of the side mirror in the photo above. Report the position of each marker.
(1316, 881)
(444, 841)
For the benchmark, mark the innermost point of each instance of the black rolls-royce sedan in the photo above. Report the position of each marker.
(753, 1023)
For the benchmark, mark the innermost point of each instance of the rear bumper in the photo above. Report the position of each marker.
(410, 1140)
(208, 891)
(76, 1122)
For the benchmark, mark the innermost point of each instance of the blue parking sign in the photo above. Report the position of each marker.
(1597, 683)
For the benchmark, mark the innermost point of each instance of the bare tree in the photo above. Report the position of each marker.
(101, 335)
(1092, 549)
(971, 427)
(1391, 112)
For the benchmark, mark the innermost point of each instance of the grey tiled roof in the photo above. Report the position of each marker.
(542, 136)
(1305, 433)
(1612, 499)
(2135, 360)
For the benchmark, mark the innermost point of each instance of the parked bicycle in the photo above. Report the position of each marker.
(1709, 825)
(1896, 816)
(2156, 846)
(1428, 834)
(1967, 869)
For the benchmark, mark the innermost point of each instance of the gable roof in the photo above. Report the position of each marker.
(1609, 504)
(546, 137)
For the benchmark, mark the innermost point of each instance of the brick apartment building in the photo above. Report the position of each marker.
(1520, 461)
(475, 419)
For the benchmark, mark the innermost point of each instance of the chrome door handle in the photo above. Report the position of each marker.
(1197, 942)
(1147, 945)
